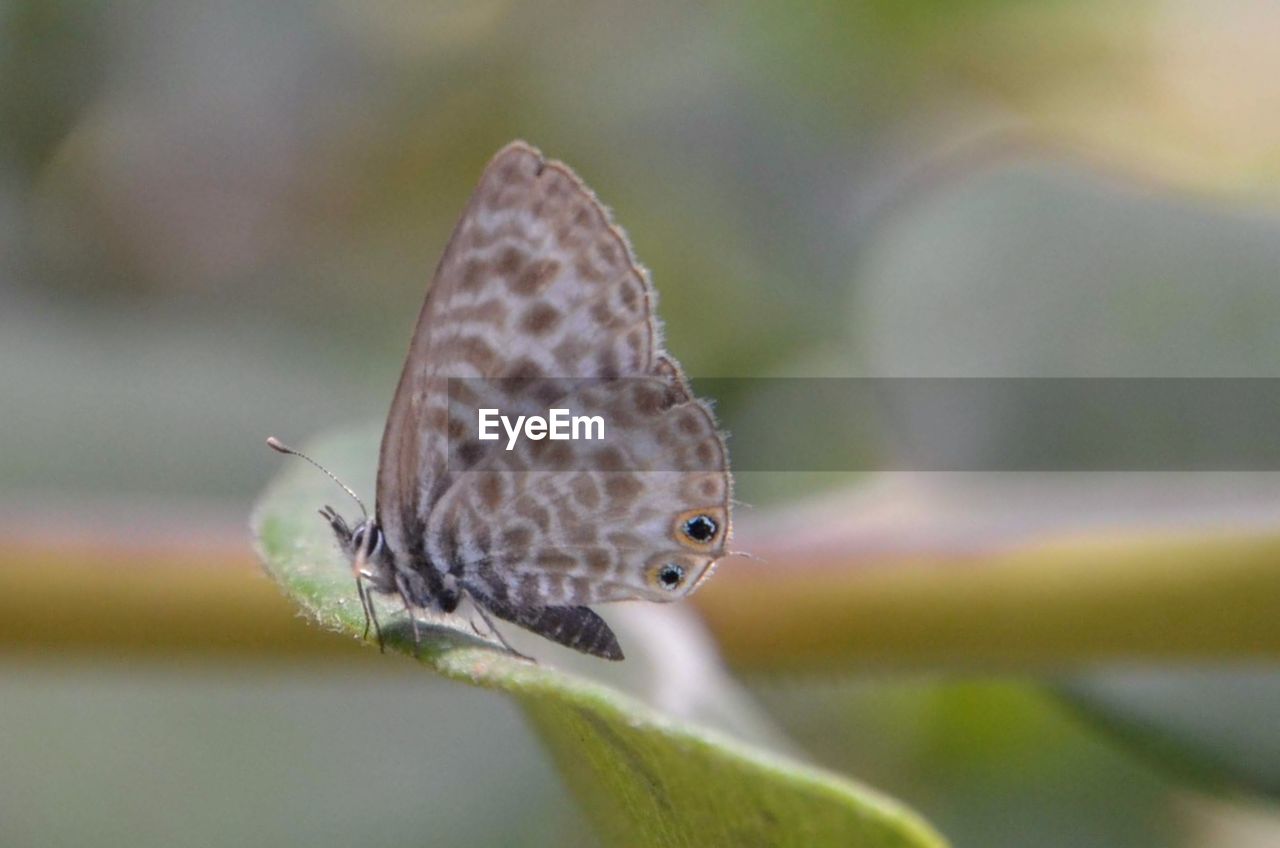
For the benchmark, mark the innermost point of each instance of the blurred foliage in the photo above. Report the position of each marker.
(996, 763)
(1211, 723)
(272, 754)
(50, 65)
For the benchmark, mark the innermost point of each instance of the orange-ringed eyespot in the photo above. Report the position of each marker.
(670, 575)
(701, 528)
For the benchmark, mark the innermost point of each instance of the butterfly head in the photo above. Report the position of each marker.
(367, 540)
(366, 546)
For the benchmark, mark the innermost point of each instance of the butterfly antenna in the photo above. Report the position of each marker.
(280, 447)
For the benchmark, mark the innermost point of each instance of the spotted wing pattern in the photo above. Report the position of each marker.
(537, 282)
(612, 525)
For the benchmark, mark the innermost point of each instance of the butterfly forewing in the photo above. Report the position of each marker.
(535, 281)
(538, 289)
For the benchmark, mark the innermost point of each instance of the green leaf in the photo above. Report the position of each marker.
(644, 778)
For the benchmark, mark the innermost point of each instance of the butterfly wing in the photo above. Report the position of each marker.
(535, 281)
(611, 521)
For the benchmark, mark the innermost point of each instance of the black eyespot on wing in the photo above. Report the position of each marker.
(701, 528)
(670, 576)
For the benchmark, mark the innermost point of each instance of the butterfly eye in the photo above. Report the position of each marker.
(670, 576)
(358, 540)
(701, 528)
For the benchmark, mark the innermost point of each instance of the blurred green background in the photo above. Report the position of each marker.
(217, 221)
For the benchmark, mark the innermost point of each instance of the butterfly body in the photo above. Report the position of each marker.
(538, 302)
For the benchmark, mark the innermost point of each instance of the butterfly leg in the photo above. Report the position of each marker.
(494, 631)
(403, 587)
(366, 602)
(370, 615)
(364, 607)
(417, 635)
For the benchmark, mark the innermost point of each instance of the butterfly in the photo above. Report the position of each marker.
(538, 287)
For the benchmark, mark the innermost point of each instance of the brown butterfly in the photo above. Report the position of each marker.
(537, 284)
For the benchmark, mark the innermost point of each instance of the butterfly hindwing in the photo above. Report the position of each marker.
(605, 523)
